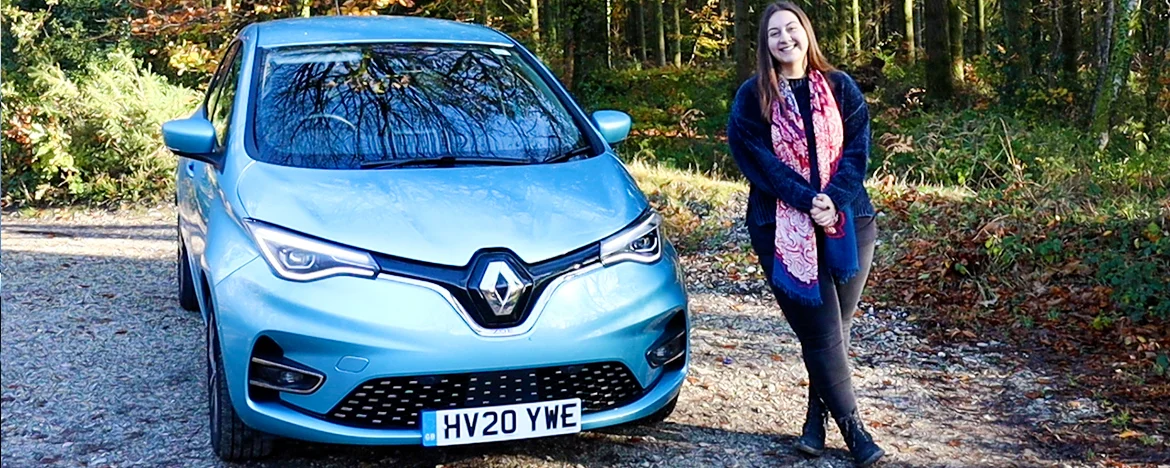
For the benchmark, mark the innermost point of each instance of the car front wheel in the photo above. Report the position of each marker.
(231, 440)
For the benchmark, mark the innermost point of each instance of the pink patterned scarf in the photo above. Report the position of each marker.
(796, 263)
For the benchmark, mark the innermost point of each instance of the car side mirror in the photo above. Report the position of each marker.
(192, 138)
(614, 125)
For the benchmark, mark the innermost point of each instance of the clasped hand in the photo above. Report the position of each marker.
(823, 212)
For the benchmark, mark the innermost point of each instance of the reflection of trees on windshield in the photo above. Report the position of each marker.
(338, 107)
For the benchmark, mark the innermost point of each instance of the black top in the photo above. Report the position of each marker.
(863, 225)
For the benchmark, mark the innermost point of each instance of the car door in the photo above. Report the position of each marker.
(204, 177)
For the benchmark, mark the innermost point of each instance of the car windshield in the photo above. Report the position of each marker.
(339, 107)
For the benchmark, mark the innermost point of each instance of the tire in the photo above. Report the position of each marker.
(187, 298)
(231, 439)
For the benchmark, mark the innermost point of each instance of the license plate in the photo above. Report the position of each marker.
(496, 423)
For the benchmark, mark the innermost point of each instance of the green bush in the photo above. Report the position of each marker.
(90, 137)
(693, 101)
(678, 115)
(1134, 261)
(994, 150)
(70, 33)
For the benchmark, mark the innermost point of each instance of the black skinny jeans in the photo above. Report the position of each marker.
(824, 330)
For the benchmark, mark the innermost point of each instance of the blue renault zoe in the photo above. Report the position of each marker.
(405, 231)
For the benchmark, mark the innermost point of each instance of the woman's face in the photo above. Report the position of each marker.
(787, 40)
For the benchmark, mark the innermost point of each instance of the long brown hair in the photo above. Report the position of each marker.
(768, 82)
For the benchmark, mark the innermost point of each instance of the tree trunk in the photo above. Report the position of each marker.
(566, 42)
(856, 12)
(553, 21)
(1128, 17)
(1018, 60)
(668, 28)
(908, 14)
(920, 24)
(484, 14)
(608, 34)
(725, 7)
(1104, 49)
(306, 8)
(641, 12)
(1070, 42)
(1027, 31)
(586, 18)
(955, 23)
(981, 34)
(745, 64)
(891, 18)
(842, 28)
(1159, 63)
(1035, 41)
(534, 13)
(659, 32)
(676, 31)
(940, 79)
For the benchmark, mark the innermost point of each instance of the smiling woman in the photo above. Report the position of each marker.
(341, 107)
(799, 131)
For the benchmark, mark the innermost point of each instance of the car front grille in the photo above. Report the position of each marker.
(396, 402)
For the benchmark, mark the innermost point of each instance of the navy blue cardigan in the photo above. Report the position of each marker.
(750, 139)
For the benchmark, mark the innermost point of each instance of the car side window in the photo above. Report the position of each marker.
(213, 89)
(220, 110)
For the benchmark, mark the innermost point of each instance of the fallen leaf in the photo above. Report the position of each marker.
(1129, 434)
(955, 443)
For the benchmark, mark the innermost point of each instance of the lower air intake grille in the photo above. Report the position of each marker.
(396, 402)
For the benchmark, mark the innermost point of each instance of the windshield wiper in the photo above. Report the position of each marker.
(582, 151)
(438, 161)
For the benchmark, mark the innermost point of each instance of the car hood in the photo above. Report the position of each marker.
(445, 215)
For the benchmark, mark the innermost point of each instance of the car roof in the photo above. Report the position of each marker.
(356, 29)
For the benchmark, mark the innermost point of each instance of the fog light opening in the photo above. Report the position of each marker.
(667, 351)
(283, 377)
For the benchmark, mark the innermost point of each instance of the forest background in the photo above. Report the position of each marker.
(1021, 156)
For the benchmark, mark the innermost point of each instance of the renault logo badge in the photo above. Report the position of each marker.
(501, 287)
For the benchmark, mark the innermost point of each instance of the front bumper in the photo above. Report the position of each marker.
(399, 328)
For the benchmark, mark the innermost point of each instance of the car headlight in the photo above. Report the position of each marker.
(297, 257)
(641, 242)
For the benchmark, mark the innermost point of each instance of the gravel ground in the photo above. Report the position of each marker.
(102, 368)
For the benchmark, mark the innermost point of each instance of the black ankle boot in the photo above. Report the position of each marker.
(861, 446)
(812, 435)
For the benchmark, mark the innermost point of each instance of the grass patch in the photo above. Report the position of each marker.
(693, 205)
